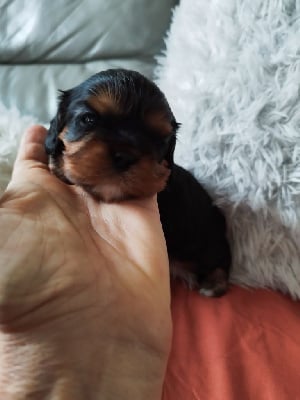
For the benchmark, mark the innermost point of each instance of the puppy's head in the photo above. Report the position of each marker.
(113, 135)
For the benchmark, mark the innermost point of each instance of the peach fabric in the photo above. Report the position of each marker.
(243, 346)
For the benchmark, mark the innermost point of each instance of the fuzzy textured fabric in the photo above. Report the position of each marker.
(231, 73)
(12, 126)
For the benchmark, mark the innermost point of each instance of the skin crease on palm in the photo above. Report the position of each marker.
(84, 289)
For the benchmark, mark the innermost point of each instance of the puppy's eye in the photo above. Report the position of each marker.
(88, 119)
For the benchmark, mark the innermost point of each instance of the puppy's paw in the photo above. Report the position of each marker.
(215, 284)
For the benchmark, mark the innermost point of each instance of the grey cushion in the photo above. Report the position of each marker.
(46, 45)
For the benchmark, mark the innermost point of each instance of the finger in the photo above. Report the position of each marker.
(32, 146)
(148, 203)
(134, 227)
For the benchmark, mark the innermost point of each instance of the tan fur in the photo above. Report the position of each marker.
(72, 147)
(104, 103)
(145, 178)
(160, 123)
(88, 164)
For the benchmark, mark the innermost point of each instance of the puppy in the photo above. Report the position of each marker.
(114, 135)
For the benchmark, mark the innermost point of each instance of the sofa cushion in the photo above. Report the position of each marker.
(80, 31)
(44, 47)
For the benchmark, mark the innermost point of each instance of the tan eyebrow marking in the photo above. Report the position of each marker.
(159, 122)
(104, 103)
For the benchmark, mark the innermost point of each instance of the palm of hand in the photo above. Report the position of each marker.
(81, 258)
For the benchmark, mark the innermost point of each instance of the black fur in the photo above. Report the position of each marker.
(194, 228)
(136, 95)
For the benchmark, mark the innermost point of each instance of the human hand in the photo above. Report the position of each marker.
(84, 289)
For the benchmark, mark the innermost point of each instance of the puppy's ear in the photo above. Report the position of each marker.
(169, 157)
(53, 144)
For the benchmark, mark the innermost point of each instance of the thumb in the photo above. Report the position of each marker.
(32, 145)
(31, 153)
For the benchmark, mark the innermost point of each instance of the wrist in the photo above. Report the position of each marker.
(44, 364)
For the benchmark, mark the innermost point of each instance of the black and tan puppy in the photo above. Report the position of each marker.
(114, 135)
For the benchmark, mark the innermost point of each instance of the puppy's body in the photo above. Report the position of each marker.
(195, 232)
(114, 135)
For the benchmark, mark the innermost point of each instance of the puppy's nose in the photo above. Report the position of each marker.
(122, 160)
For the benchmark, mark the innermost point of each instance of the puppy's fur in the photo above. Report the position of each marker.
(114, 135)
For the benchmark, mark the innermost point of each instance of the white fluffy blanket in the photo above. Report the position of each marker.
(232, 75)
(12, 126)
